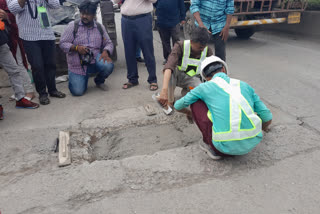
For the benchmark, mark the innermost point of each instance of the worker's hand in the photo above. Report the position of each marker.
(182, 22)
(189, 116)
(163, 99)
(225, 33)
(3, 15)
(265, 126)
(105, 57)
(82, 50)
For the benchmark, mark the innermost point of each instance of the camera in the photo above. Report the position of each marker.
(87, 58)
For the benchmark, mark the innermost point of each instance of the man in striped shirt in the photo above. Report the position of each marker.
(39, 43)
(215, 15)
(81, 38)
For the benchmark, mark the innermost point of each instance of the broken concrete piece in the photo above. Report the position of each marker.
(64, 149)
(150, 110)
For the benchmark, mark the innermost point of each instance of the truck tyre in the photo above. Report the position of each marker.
(244, 33)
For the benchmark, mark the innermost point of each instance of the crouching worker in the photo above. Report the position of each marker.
(88, 48)
(183, 66)
(227, 111)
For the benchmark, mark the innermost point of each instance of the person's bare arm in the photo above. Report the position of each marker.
(225, 31)
(163, 99)
(198, 19)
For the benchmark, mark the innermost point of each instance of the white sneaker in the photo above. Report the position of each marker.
(210, 152)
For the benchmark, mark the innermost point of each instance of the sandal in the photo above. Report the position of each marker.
(153, 86)
(129, 85)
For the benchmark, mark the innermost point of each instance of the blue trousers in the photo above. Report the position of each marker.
(138, 32)
(138, 53)
(78, 84)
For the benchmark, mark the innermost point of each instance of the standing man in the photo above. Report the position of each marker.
(136, 27)
(216, 17)
(86, 38)
(17, 49)
(229, 114)
(170, 15)
(183, 66)
(39, 43)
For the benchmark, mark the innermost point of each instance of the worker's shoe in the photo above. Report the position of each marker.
(210, 152)
(1, 112)
(44, 100)
(57, 94)
(25, 103)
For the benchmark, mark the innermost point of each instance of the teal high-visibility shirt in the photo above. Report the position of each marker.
(217, 101)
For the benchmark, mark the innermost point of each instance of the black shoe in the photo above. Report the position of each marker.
(139, 59)
(57, 94)
(44, 100)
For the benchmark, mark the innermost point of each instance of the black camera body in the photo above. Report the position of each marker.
(87, 58)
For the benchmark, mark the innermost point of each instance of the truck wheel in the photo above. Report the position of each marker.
(244, 33)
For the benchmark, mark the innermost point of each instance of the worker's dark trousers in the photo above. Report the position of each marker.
(166, 34)
(41, 56)
(219, 46)
(137, 31)
(200, 116)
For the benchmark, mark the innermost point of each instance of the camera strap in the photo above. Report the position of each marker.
(33, 16)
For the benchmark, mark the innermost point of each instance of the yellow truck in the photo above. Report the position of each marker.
(252, 15)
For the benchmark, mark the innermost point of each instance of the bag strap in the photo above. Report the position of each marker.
(99, 26)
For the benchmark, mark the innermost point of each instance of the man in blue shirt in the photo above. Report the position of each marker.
(227, 111)
(215, 15)
(170, 14)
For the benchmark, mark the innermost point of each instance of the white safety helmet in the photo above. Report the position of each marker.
(209, 60)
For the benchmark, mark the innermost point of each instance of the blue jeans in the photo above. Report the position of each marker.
(78, 84)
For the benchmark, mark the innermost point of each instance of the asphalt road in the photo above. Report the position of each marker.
(280, 176)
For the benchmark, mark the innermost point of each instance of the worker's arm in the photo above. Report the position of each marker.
(191, 97)
(169, 67)
(262, 111)
(225, 31)
(229, 11)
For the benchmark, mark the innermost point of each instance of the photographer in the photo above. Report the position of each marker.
(88, 48)
(39, 43)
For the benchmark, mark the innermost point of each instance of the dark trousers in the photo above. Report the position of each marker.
(138, 32)
(41, 56)
(199, 113)
(166, 34)
(219, 46)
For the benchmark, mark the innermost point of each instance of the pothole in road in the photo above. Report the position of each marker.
(144, 136)
(144, 140)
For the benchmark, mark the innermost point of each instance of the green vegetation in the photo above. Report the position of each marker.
(313, 5)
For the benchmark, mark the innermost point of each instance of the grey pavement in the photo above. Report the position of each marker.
(153, 173)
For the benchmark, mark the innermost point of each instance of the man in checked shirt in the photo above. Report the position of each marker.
(215, 16)
(82, 38)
